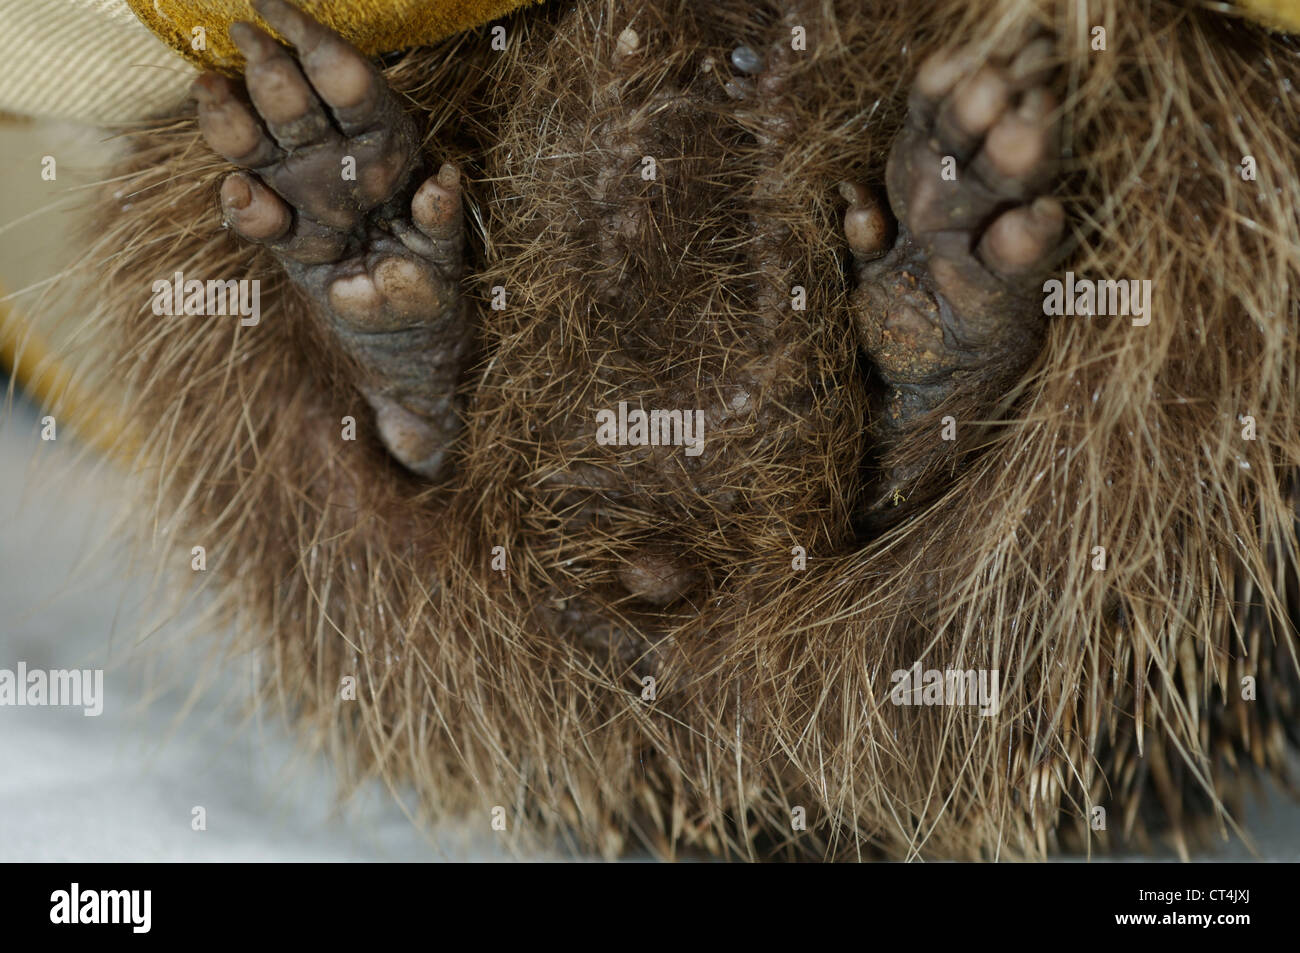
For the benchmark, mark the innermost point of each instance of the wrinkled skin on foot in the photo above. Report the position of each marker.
(950, 311)
(331, 162)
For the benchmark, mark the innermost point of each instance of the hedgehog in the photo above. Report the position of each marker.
(655, 403)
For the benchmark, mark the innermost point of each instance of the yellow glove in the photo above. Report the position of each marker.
(372, 26)
(1281, 15)
(102, 62)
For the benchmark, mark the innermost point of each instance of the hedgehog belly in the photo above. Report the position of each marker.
(653, 353)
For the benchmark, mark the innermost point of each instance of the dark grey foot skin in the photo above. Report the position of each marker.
(949, 301)
(330, 186)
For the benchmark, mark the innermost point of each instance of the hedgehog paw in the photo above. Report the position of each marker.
(329, 162)
(945, 303)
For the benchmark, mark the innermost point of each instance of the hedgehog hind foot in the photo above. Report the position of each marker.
(329, 163)
(944, 304)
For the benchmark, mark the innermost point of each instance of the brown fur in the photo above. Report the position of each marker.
(1120, 688)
